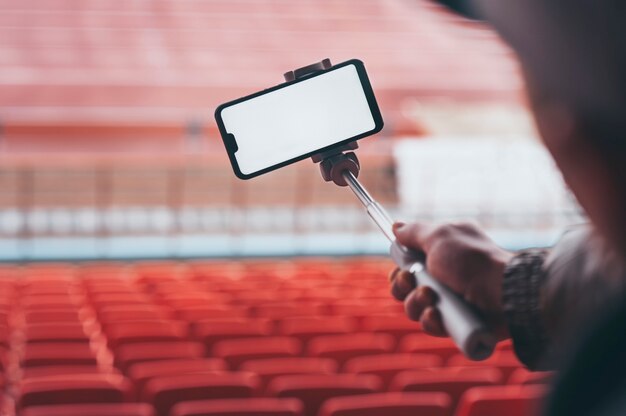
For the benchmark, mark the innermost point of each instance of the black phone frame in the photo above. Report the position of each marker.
(230, 142)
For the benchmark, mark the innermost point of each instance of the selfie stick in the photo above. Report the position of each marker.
(466, 328)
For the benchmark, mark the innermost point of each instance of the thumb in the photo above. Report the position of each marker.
(411, 235)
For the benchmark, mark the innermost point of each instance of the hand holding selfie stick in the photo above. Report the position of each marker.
(466, 328)
(462, 322)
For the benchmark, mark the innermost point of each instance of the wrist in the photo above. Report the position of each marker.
(521, 286)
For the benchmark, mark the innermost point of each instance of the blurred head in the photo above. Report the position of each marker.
(573, 56)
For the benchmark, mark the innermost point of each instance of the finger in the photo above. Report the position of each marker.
(417, 301)
(432, 323)
(402, 284)
(392, 274)
(412, 235)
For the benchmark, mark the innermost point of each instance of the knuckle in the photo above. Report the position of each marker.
(472, 229)
(396, 293)
(441, 232)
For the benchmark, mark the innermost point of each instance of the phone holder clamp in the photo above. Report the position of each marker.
(334, 163)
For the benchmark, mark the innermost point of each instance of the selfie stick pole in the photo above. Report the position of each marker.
(463, 323)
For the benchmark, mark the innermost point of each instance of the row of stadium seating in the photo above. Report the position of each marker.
(304, 337)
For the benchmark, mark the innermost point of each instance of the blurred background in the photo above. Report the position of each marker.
(108, 146)
(267, 292)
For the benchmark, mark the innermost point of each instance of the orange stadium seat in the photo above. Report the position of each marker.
(99, 409)
(164, 392)
(396, 404)
(314, 389)
(501, 400)
(240, 407)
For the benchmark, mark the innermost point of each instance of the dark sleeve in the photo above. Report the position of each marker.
(524, 278)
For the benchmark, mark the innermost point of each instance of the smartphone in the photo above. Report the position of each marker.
(295, 120)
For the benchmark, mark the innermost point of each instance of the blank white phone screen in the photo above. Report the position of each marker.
(298, 119)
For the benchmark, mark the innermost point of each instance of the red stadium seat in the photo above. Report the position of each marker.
(198, 313)
(98, 409)
(165, 392)
(313, 390)
(140, 373)
(396, 404)
(49, 288)
(426, 344)
(33, 303)
(129, 354)
(506, 345)
(501, 400)
(211, 331)
(364, 308)
(523, 376)
(386, 366)
(145, 331)
(254, 297)
(58, 353)
(66, 389)
(236, 351)
(4, 318)
(239, 407)
(455, 383)
(306, 328)
(5, 337)
(505, 360)
(101, 285)
(343, 347)
(181, 300)
(56, 316)
(391, 324)
(59, 370)
(269, 368)
(56, 332)
(101, 300)
(116, 313)
(291, 309)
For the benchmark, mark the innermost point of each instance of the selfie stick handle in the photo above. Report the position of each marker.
(462, 322)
